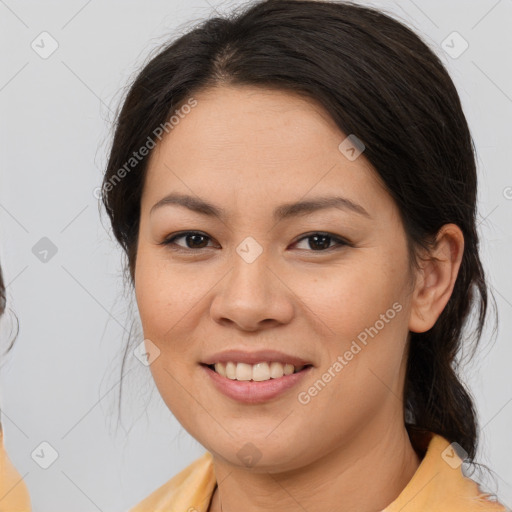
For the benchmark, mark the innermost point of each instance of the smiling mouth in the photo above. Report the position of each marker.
(260, 372)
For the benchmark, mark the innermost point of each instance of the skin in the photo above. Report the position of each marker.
(249, 150)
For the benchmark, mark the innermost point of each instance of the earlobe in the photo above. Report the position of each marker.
(436, 278)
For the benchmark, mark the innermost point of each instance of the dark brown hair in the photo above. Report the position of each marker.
(3, 307)
(377, 79)
(2, 294)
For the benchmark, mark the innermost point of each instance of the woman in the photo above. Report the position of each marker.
(295, 189)
(13, 491)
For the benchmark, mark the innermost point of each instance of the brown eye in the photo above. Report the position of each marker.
(321, 242)
(193, 240)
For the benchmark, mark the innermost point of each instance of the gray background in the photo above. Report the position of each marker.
(61, 381)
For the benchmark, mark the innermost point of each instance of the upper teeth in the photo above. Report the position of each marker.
(257, 372)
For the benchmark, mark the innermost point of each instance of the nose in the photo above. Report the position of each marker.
(252, 296)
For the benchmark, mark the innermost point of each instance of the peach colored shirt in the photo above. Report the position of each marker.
(438, 485)
(13, 491)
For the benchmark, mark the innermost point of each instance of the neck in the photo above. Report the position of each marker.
(384, 458)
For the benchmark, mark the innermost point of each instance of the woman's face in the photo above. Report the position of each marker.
(256, 278)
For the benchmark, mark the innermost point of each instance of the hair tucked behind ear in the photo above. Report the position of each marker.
(378, 80)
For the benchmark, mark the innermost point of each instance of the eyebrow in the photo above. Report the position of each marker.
(282, 212)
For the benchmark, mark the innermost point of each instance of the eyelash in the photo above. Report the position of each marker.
(170, 241)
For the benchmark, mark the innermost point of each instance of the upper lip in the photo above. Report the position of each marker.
(253, 357)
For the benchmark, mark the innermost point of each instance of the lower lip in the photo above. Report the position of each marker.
(254, 392)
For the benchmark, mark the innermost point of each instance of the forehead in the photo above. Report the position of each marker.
(237, 119)
(256, 143)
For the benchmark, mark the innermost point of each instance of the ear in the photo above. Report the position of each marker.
(436, 278)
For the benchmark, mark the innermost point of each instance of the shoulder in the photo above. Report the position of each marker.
(439, 484)
(13, 491)
(189, 491)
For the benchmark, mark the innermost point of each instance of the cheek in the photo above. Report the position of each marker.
(363, 312)
(163, 308)
(169, 303)
(164, 295)
(353, 297)
(150, 295)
